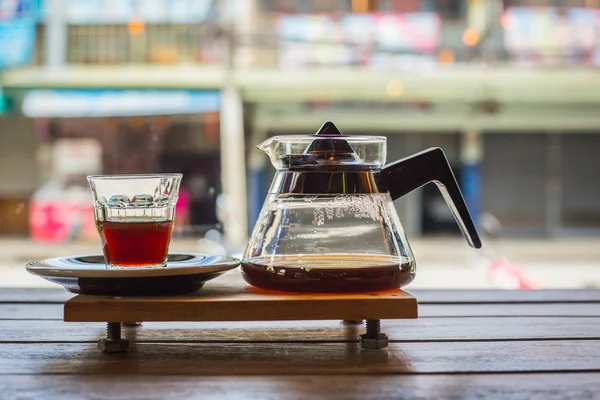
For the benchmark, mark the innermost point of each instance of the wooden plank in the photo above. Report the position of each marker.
(427, 296)
(241, 302)
(200, 359)
(367, 387)
(34, 295)
(426, 329)
(508, 309)
(33, 311)
(424, 296)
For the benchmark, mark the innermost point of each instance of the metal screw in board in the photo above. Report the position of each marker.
(373, 327)
(373, 339)
(113, 342)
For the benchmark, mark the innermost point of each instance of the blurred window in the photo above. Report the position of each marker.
(333, 6)
(400, 5)
(151, 43)
(312, 6)
(552, 3)
(284, 6)
(329, 6)
(40, 35)
(445, 8)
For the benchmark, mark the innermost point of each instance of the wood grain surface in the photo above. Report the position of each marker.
(465, 344)
(419, 330)
(334, 387)
(241, 302)
(290, 358)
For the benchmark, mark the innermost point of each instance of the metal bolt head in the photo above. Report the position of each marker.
(113, 346)
(374, 343)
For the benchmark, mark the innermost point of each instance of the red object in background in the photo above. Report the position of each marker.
(59, 221)
(182, 211)
(510, 276)
(183, 201)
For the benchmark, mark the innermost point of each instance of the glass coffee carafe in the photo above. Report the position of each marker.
(329, 224)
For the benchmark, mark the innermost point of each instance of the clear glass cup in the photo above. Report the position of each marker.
(134, 216)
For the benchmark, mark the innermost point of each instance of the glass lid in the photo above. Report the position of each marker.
(327, 149)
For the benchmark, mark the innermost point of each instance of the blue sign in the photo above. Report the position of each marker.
(118, 103)
(3, 102)
(11, 9)
(17, 42)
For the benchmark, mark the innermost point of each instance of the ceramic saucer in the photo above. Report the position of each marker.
(184, 274)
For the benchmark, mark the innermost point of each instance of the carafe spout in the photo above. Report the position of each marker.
(266, 146)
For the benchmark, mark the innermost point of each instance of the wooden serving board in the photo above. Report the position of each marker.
(229, 298)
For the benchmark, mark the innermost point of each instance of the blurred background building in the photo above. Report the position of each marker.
(509, 89)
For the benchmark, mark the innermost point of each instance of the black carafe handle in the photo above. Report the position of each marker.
(431, 165)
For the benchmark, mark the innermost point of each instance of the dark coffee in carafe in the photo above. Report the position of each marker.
(335, 275)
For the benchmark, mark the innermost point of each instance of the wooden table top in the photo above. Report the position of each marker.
(465, 344)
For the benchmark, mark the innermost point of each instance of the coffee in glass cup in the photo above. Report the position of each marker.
(134, 216)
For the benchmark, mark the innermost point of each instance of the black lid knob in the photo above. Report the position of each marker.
(327, 146)
(327, 150)
(328, 129)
